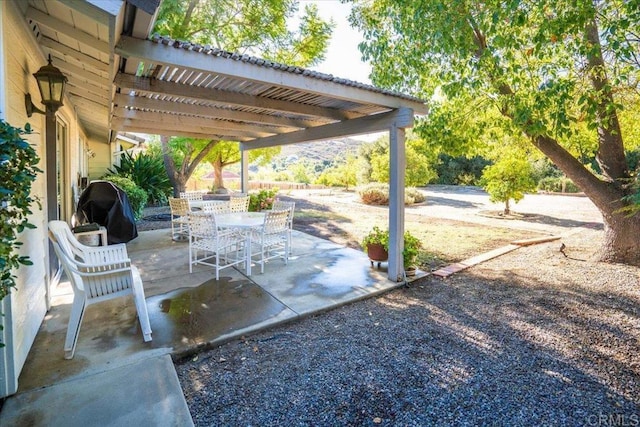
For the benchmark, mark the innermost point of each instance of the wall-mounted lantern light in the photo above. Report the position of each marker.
(51, 83)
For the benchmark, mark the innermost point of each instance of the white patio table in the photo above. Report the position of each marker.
(245, 221)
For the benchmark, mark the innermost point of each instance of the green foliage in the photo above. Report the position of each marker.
(300, 173)
(136, 195)
(18, 171)
(147, 171)
(460, 170)
(543, 168)
(557, 185)
(378, 194)
(418, 171)
(509, 178)
(376, 236)
(341, 174)
(248, 26)
(525, 67)
(412, 244)
(263, 199)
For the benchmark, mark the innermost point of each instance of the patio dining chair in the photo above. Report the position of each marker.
(272, 238)
(216, 207)
(96, 273)
(239, 202)
(279, 205)
(191, 195)
(179, 217)
(212, 246)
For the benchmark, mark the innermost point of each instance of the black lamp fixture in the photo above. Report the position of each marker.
(51, 83)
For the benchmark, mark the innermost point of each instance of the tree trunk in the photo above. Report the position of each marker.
(176, 179)
(218, 182)
(507, 208)
(621, 240)
(179, 177)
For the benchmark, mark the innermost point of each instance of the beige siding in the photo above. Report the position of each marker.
(102, 161)
(21, 59)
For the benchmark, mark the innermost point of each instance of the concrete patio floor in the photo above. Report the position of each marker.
(188, 312)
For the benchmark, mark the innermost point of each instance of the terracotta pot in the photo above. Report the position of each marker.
(377, 252)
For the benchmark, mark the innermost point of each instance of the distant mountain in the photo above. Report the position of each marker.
(320, 150)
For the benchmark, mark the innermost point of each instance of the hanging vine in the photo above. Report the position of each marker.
(18, 170)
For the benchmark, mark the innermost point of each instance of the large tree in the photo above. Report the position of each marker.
(226, 153)
(547, 66)
(256, 27)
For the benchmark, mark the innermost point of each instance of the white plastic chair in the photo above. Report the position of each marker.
(239, 202)
(212, 246)
(192, 195)
(179, 217)
(271, 237)
(279, 205)
(97, 273)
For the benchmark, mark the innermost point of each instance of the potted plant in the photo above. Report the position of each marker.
(376, 244)
(412, 246)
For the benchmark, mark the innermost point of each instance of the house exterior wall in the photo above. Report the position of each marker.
(25, 308)
(102, 160)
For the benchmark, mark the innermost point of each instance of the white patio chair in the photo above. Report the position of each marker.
(272, 237)
(97, 273)
(191, 195)
(239, 202)
(179, 217)
(212, 246)
(216, 207)
(279, 205)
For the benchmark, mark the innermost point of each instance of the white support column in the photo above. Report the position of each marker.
(244, 168)
(397, 166)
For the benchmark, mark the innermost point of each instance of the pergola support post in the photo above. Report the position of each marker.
(244, 168)
(397, 166)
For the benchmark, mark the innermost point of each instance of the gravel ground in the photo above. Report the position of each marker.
(530, 338)
(533, 337)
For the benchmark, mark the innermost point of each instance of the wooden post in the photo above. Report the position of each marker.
(244, 168)
(397, 166)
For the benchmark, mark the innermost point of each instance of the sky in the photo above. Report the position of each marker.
(342, 57)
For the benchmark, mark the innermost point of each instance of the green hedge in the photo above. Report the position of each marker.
(137, 196)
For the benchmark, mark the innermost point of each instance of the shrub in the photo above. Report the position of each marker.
(148, 172)
(374, 194)
(558, 185)
(263, 199)
(378, 194)
(413, 195)
(136, 195)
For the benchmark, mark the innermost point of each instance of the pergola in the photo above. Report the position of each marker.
(122, 80)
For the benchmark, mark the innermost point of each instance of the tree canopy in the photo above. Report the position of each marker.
(256, 27)
(557, 73)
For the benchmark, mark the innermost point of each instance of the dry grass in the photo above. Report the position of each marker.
(347, 223)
